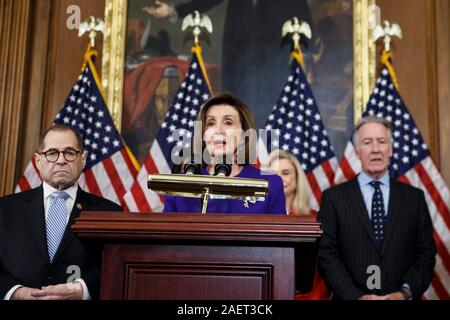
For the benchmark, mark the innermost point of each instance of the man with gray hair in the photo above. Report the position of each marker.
(378, 236)
(40, 255)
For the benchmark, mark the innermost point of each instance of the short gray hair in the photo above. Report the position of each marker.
(371, 119)
(61, 128)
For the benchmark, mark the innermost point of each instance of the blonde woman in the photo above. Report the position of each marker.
(295, 184)
(295, 188)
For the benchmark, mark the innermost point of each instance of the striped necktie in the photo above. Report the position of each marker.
(56, 221)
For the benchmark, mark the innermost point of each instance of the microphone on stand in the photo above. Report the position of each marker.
(192, 168)
(223, 168)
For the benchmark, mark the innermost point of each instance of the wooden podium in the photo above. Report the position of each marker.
(193, 256)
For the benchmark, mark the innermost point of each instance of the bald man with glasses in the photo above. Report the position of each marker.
(40, 256)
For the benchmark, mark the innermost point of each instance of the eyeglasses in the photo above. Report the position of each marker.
(52, 155)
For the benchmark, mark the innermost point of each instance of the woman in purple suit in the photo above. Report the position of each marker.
(228, 131)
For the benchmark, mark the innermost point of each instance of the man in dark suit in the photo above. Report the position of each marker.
(377, 242)
(40, 256)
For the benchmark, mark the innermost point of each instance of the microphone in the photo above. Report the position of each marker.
(223, 166)
(192, 168)
(222, 170)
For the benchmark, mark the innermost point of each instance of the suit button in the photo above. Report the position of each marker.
(381, 258)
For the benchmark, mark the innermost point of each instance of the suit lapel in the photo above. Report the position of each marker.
(33, 207)
(79, 205)
(361, 210)
(393, 211)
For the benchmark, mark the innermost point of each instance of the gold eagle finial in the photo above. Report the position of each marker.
(296, 28)
(92, 26)
(197, 21)
(387, 31)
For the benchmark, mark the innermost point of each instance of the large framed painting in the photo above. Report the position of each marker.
(145, 54)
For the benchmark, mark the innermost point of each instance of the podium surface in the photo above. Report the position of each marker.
(193, 256)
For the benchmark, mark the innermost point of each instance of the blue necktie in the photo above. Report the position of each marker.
(56, 221)
(378, 214)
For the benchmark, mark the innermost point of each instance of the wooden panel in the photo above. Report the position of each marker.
(443, 78)
(14, 25)
(421, 61)
(207, 272)
(432, 79)
(162, 256)
(410, 56)
(66, 54)
(184, 226)
(35, 89)
(184, 282)
(197, 272)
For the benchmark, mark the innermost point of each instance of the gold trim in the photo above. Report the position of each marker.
(219, 187)
(114, 56)
(363, 56)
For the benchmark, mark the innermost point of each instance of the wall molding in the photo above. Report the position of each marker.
(14, 31)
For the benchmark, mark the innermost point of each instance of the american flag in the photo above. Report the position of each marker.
(110, 168)
(178, 123)
(411, 163)
(296, 126)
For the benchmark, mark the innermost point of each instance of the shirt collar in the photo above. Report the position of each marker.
(364, 179)
(71, 191)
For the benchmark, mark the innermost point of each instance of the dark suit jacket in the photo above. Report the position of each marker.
(23, 245)
(348, 245)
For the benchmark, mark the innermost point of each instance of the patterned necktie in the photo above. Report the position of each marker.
(378, 213)
(56, 221)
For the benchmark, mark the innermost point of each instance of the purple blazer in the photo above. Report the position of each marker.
(274, 203)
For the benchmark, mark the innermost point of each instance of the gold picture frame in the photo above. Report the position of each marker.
(364, 51)
(114, 55)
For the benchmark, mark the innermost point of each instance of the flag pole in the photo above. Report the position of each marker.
(386, 58)
(92, 26)
(198, 22)
(295, 29)
(197, 50)
(386, 32)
